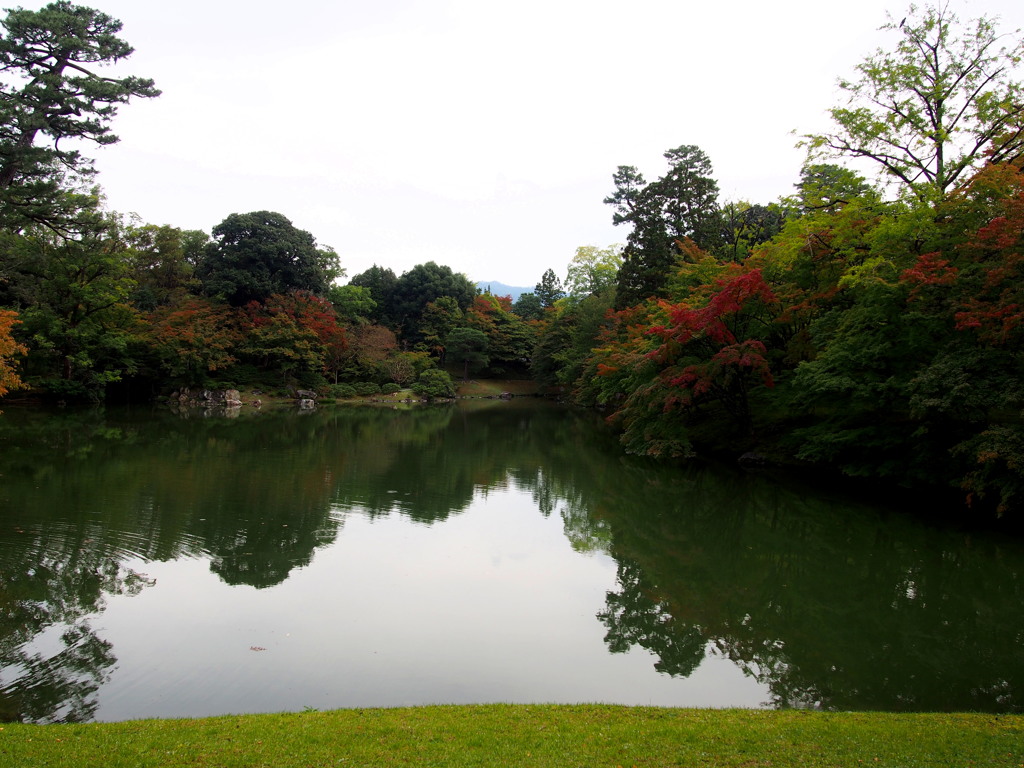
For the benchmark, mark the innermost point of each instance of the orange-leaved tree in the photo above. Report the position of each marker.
(8, 349)
(194, 338)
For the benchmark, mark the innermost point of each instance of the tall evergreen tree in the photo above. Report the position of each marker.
(549, 289)
(682, 204)
(51, 97)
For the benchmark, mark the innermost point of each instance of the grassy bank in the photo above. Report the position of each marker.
(495, 387)
(502, 735)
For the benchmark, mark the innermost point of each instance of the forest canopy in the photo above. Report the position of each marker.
(869, 324)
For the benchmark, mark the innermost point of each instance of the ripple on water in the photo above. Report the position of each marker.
(69, 540)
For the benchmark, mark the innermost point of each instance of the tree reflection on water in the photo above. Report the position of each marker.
(52, 660)
(829, 602)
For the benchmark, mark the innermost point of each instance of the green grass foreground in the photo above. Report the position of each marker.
(526, 735)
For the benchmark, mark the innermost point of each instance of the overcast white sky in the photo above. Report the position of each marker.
(477, 134)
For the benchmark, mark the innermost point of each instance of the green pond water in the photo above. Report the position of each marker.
(155, 564)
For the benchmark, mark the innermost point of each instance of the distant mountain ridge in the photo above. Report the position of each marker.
(500, 289)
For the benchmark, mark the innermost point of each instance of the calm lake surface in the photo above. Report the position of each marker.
(163, 565)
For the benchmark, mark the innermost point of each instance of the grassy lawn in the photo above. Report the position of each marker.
(471, 388)
(526, 735)
(494, 387)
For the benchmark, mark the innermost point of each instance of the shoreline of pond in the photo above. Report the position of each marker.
(943, 504)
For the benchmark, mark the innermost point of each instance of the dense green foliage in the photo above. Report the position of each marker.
(434, 385)
(836, 328)
(256, 255)
(93, 305)
(879, 338)
(873, 330)
(469, 347)
(423, 284)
